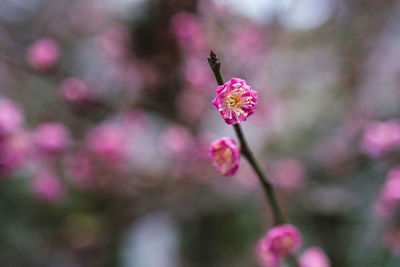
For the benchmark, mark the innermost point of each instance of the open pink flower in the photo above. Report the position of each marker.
(235, 101)
(283, 240)
(314, 257)
(225, 155)
(43, 54)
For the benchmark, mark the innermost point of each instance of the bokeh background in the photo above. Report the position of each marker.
(106, 118)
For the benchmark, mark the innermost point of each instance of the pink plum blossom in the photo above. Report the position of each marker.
(52, 137)
(74, 89)
(380, 137)
(314, 257)
(235, 101)
(283, 240)
(11, 117)
(108, 142)
(46, 185)
(225, 155)
(43, 54)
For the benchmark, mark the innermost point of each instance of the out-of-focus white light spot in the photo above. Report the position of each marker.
(152, 242)
(297, 14)
(306, 14)
(258, 10)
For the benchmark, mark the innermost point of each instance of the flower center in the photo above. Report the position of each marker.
(231, 101)
(223, 156)
(285, 245)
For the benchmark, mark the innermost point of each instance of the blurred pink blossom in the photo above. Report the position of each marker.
(189, 31)
(235, 101)
(132, 76)
(389, 196)
(46, 185)
(248, 40)
(11, 117)
(191, 105)
(225, 155)
(197, 73)
(288, 173)
(176, 139)
(266, 258)
(14, 150)
(380, 137)
(43, 54)
(136, 120)
(74, 89)
(79, 166)
(108, 142)
(283, 240)
(94, 16)
(115, 41)
(52, 137)
(314, 257)
(202, 143)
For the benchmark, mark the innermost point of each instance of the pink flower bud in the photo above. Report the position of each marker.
(283, 240)
(314, 257)
(52, 137)
(235, 101)
(11, 117)
(46, 185)
(43, 54)
(225, 155)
